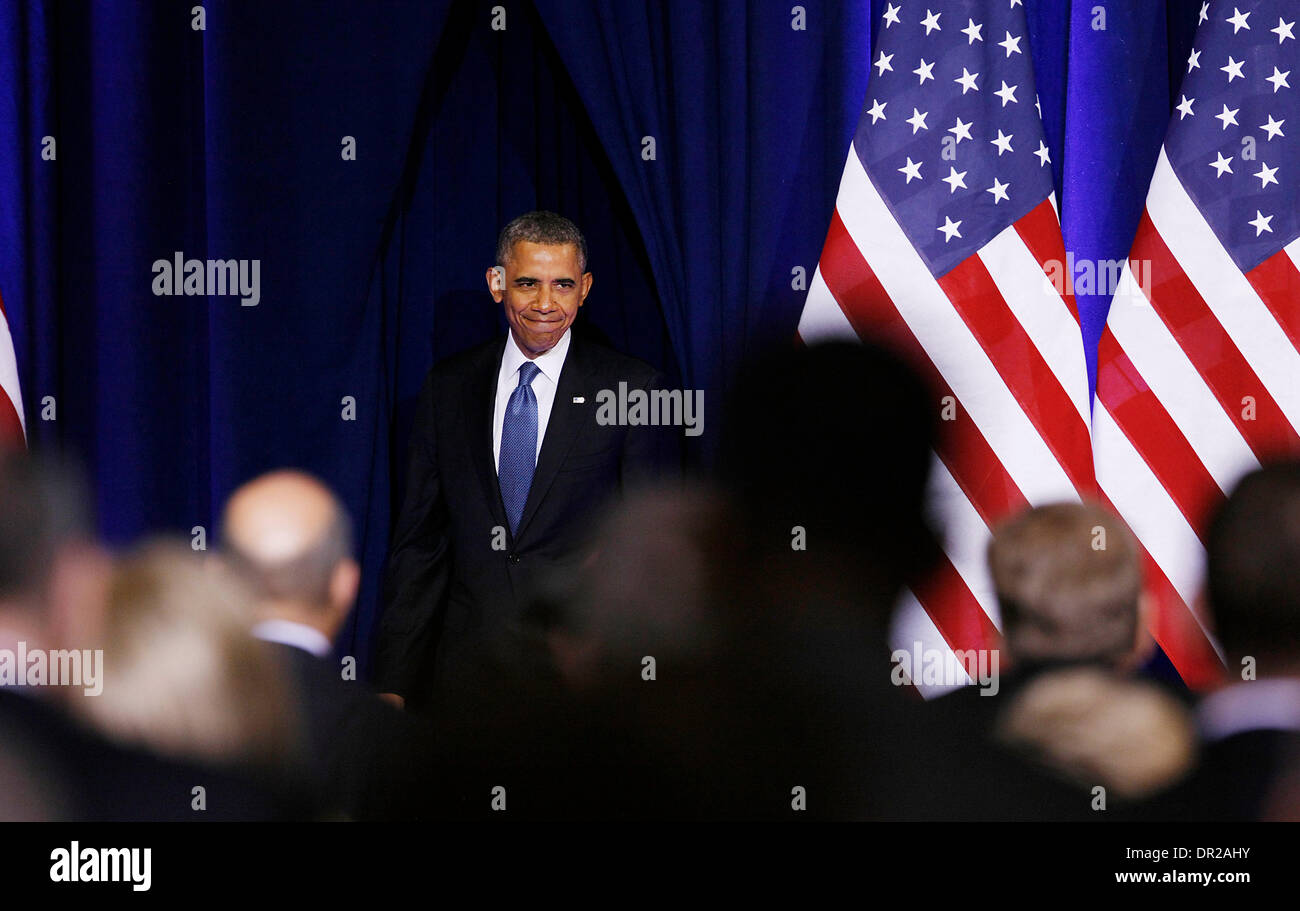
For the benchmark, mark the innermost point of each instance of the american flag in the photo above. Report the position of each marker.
(1198, 375)
(944, 233)
(12, 427)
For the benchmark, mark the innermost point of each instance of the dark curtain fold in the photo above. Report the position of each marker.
(750, 108)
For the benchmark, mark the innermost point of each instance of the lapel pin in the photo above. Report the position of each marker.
(578, 399)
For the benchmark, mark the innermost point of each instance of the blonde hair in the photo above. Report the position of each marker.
(1068, 578)
(182, 674)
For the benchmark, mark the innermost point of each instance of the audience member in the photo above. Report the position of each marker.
(182, 677)
(290, 539)
(1251, 725)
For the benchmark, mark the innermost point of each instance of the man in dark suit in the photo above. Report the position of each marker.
(1068, 581)
(510, 461)
(290, 538)
(1250, 727)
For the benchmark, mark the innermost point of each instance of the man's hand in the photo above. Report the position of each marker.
(394, 699)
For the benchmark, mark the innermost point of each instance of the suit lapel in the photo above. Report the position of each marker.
(562, 429)
(482, 406)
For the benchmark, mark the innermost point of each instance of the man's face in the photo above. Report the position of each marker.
(542, 290)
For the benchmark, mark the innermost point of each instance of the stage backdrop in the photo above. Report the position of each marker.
(362, 156)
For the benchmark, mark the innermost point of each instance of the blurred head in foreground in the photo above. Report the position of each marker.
(1069, 580)
(50, 567)
(827, 451)
(290, 539)
(1253, 550)
(182, 675)
(651, 588)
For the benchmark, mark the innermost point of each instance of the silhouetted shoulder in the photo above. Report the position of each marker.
(91, 778)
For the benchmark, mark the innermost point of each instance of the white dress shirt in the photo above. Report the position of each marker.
(544, 385)
(1268, 704)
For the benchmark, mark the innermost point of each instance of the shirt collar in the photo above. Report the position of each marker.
(297, 635)
(1270, 704)
(549, 363)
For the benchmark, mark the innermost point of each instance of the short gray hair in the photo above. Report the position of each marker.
(541, 227)
(1068, 577)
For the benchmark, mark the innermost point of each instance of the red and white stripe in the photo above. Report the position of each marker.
(995, 334)
(13, 430)
(1179, 368)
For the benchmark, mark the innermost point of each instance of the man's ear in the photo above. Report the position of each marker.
(344, 582)
(1143, 644)
(1006, 659)
(586, 287)
(496, 281)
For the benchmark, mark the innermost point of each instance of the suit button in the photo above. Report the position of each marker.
(513, 558)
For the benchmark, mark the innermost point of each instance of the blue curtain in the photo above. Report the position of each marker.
(228, 142)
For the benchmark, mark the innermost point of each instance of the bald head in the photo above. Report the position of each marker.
(289, 534)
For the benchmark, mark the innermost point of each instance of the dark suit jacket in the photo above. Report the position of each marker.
(80, 776)
(1233, 779)
(450, 594)
(986, 781)
(363, 759)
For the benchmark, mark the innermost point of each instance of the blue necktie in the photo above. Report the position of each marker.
(518, 446)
